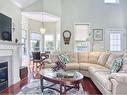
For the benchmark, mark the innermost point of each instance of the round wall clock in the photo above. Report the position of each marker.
(66, 36)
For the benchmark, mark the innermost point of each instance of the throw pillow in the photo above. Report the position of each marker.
(116, 65)
(103, 58)
(124, 66)
(64, 58)
(110, 60)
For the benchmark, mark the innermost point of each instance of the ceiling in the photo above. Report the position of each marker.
(41, 16)
(23, 3)
(35, 15)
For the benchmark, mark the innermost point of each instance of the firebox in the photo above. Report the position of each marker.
(3, 75)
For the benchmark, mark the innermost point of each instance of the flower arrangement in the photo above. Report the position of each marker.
(60, 64)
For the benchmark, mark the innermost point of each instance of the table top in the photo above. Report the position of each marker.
(67, 76)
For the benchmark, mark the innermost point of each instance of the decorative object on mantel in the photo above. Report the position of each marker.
(66, 36)
(16, 40)
(98, 34)
(6, 35)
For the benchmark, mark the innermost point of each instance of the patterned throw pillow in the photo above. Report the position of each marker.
(116, 65)
(64, 58)
(124, 66)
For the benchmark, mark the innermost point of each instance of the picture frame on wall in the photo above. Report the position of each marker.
(98, 34)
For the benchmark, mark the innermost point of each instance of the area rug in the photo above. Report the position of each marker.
(33, 88)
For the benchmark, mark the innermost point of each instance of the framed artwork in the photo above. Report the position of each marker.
(97, 34)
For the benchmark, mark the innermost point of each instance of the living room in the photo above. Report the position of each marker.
(82, 42)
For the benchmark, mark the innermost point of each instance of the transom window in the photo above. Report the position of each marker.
(111, 1)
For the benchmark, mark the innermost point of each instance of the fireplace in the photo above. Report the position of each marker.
(3, 75)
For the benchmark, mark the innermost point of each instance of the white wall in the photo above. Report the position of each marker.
(11, 10)
(95, 12)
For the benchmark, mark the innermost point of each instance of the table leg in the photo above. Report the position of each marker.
(61, 90)
(65, 89)
(42, 86)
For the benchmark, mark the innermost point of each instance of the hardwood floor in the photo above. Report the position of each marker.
(87, 84)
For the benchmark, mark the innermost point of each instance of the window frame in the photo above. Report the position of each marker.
(107, 43)
(113, 40)
(45, 41)
(24, 46)
(35, 40)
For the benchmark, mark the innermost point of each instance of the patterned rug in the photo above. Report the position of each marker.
(33, 88)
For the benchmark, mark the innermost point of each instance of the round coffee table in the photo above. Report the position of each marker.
(65, 79)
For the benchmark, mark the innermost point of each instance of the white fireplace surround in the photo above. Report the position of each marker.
(12, 50)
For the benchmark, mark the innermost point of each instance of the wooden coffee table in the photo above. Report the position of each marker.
(65, 82)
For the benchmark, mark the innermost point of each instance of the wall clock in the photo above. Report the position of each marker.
(66, 36)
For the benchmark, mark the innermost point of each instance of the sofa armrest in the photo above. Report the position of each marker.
(119, 83)
(120, 77)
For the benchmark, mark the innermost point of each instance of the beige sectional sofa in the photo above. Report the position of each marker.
(97, 65)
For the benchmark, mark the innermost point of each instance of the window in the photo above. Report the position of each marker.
(35, 41)
(49, 43)
(111, 1)
(81, 37)
(24, 42)
(58, 42)
(115, 41)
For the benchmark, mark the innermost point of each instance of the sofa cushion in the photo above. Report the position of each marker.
(103, 79)
(85, 66)
(73, 57)
(95, 69)
(72, 66)
(110, 60)
(116, 65)
(83, 57)
(93, 57)
(103, 58)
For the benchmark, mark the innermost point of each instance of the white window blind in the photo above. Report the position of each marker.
(49, 38)
(35, 36)
(81, 32)
(111, 1)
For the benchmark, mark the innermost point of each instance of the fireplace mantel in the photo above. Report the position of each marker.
(9, 43)
(13, 50)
